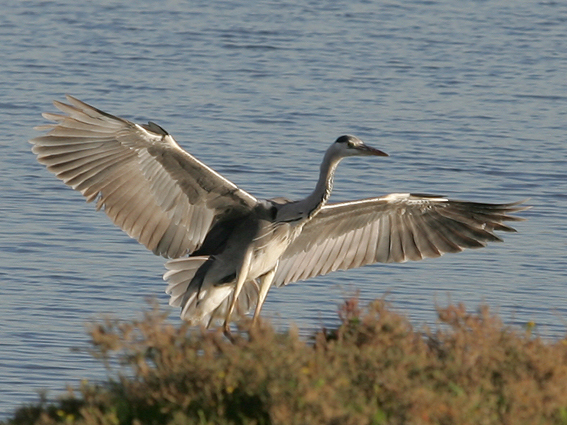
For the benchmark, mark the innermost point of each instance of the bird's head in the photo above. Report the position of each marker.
(352, 146)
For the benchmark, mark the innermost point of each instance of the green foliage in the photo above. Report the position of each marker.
(373, 369)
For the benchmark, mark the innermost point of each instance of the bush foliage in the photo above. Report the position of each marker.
(373, 369)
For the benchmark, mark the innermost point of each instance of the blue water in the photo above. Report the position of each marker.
(469, 99)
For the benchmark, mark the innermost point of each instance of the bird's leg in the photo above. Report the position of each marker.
(265, 285)
(241, 277)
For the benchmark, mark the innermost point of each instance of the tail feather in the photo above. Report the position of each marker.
(201, 303)
(179, 275)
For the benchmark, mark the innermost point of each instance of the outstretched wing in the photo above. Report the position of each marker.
(145, 182)
(394, 228)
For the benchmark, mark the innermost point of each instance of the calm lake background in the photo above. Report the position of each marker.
(468, 98)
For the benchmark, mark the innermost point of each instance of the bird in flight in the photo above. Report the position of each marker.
(226, 248)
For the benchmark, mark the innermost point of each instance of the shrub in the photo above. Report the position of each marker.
(373, 369)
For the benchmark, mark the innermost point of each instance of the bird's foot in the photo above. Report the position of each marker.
(227, 332)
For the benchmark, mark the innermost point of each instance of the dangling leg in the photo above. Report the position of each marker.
(265, 285)
(241, 277)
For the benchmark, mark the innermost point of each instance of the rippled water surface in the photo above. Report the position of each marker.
(469, 99)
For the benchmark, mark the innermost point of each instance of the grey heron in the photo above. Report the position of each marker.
(225, 247)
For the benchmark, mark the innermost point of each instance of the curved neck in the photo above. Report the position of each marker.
(308, 207)
(320, 195)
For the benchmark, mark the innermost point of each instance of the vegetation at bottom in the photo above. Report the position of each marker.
(374, 368)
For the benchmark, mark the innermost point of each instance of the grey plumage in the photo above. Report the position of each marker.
(227, 248)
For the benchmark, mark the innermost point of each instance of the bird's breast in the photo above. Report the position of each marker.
(270, 244)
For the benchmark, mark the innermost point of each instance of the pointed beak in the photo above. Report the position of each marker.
(367, 150)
